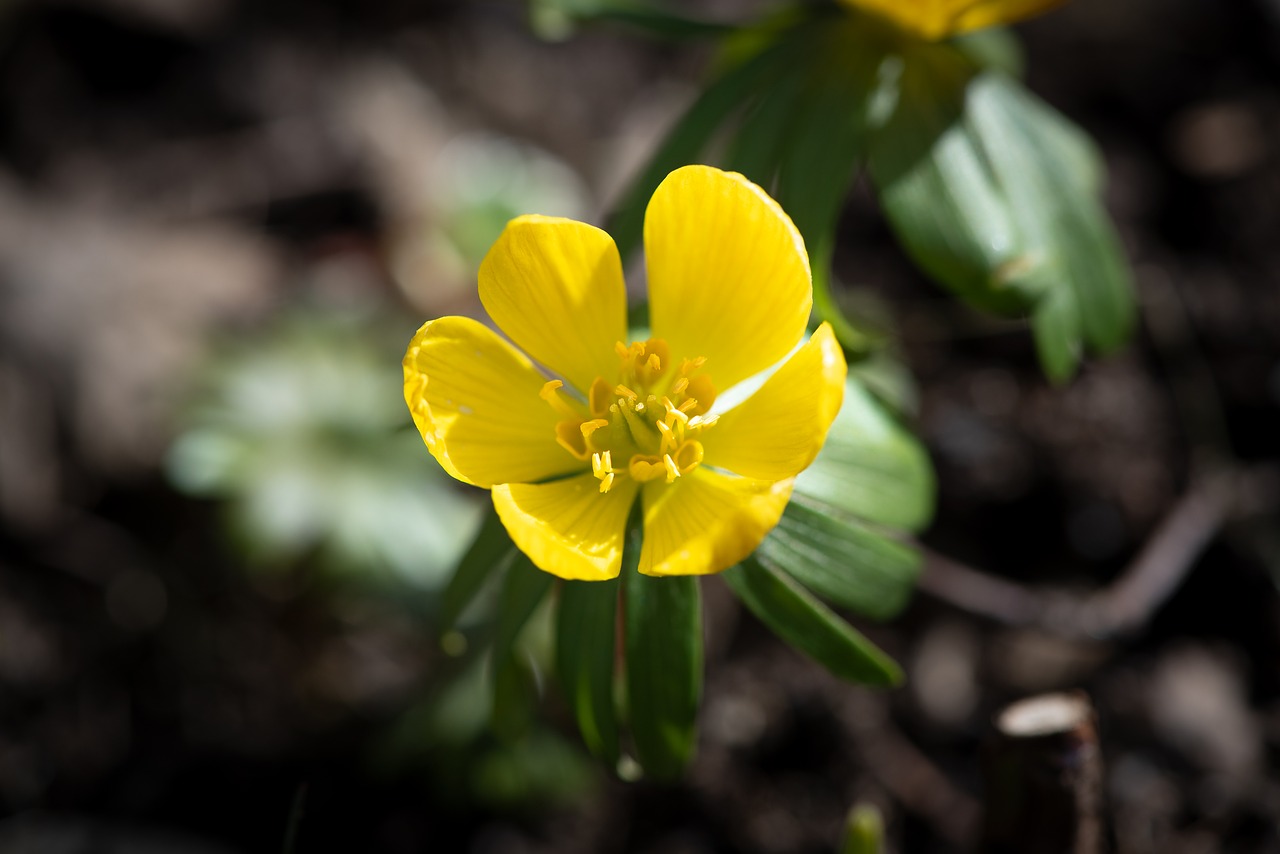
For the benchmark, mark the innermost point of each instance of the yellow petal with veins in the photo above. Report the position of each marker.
(776, 433)
(938, 19)
(554, 286)
(568, 527)
(728, 273)
(475, 399)
(706, 522)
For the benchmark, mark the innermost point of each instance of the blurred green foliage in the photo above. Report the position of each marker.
(300, 429)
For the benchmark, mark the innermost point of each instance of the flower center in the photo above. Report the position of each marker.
(646, 424)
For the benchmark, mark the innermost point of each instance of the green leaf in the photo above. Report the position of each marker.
(492, 550)
(664, 669)
(1048, 176)
(845, 562)
(759, 139)
(811, 627)
(585, 655)
(889, 381)
(514, 695)
(871, 467)
(936, 187)
(995, 195)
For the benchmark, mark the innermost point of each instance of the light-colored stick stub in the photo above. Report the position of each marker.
(1043, 775)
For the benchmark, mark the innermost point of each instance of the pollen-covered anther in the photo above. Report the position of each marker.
(669, 440)
(602, 468)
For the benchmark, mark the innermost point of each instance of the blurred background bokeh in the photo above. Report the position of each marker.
(222, 542)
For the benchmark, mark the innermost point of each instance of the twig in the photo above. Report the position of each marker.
(1120, 608)
(1159, 568)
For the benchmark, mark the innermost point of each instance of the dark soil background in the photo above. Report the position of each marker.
(172, 171)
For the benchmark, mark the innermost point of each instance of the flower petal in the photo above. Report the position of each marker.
(554, 286)
(475, 399)
(568, 527)
(728, 274)
(776, 433)
(706, 521)
(937, 19)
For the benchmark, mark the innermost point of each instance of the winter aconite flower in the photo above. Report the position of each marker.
(938, 19)
(569, 433)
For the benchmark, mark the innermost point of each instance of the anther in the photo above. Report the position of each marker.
(550, 393)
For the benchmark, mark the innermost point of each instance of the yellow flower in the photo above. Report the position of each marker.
(939, 19)
(566, 458)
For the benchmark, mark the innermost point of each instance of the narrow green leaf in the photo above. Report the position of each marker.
(687, 139)
(663, 669)
(555, 18)
(871, 467)
(514, 694)
(825, 144)
(586, 627)
(491, 550)
(759, 139)
(811, 627)
(845, 562)
(522, 590)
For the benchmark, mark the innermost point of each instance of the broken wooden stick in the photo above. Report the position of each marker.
(1042, 770)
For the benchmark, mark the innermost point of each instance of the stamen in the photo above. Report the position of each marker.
(673, 471)
(643, 468)
(571, 438)
(599, 396)
(688, 366)
(655, 433)
(689, 457)
(602, 468)
(559, 404)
